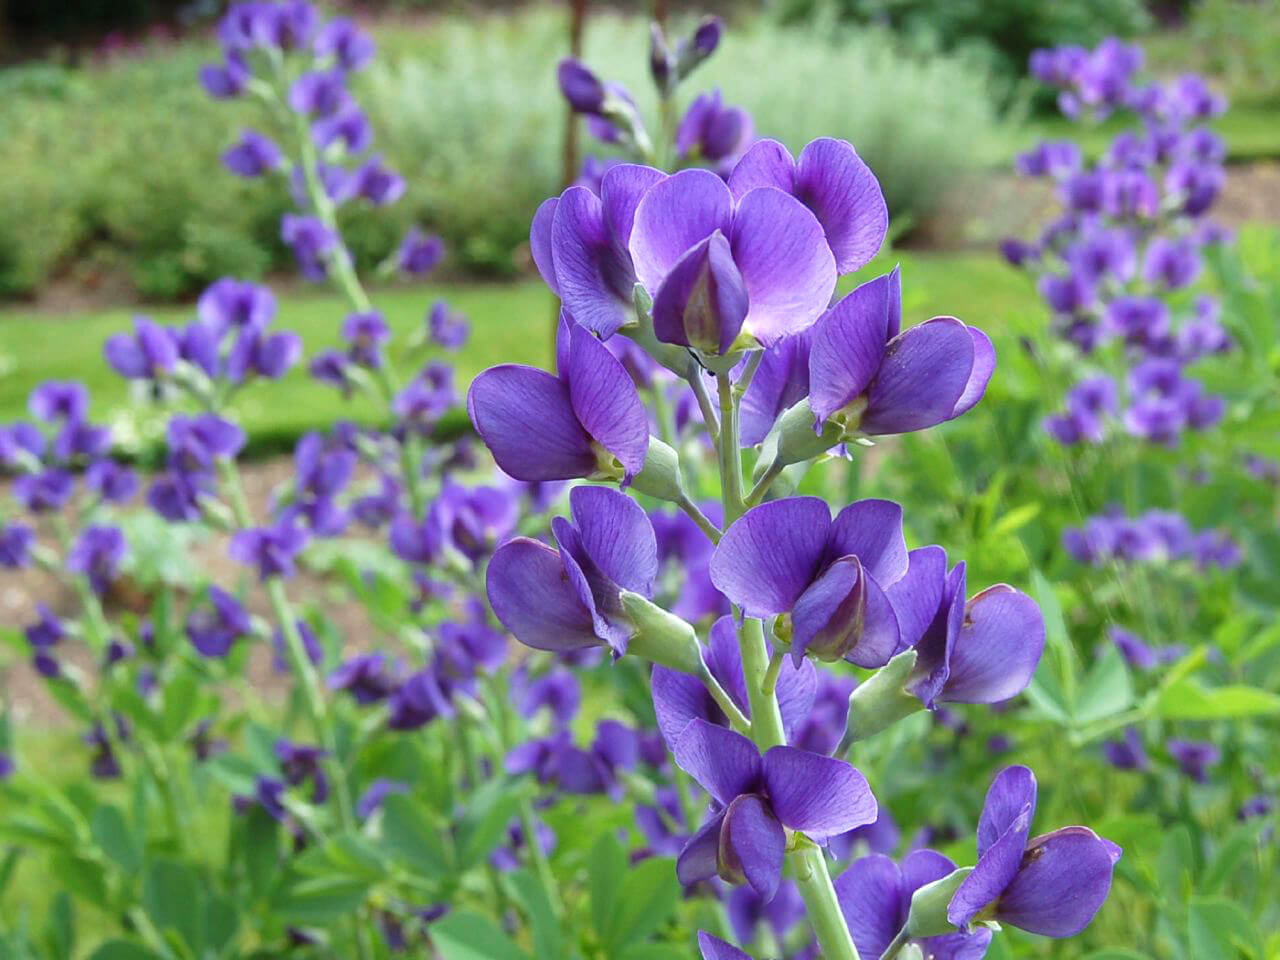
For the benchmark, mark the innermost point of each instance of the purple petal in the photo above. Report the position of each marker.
(605, 402)
(540, 243)
(984, 365)
(998, 647)
(816, 795)
(752, 845)
(797, 689)
(924, 373)
(1011, 796)
(767, 558)
(785, 262)
(621, 190)
(844, 613)
(679, 698)
(700, 858)
(781, 380)
(530, 596)
(933, 651)
(958, 946)
(703, 301)
(871, 530)
(918, 595)
(923, 866)
(598, 594)
(725, 763)
(673, 216)
(767, 164)
(617, 535)
(595, 281)
(1064, 879)
(1002, 840)
(873, 902)
(526, 420)
(835, 183)
(848, 346)
(713, 948)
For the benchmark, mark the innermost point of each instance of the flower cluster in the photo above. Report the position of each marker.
(1157, 536)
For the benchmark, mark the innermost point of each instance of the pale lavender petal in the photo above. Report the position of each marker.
(525, 418)
(917, 596)
(767, 558)
(1064, 880)
(835, 183)
(872, 900)
(984, 365)
(766, 164)
(618, 536)
(621, 189)
(816, 795)
(540, 244)
(998, 647)
(605, 401)
(725, 763)
(530, 596)
(752, 845)
(848, 346)
(785, 262)
(595, 281)
(871, 530)
(923, 375)
(673, 216)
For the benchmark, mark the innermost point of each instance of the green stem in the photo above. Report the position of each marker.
(762, 485)
(766, 719)
(700, 518)
(897, 943)
(699, 387)
(736, 717)
(770, 682)
(730, 452)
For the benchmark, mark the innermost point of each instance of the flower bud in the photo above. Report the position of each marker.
(703, 300)
(661, 637)
(660, 476)
(881, 700)
(580, 86)
(792, 439)
(662, 62)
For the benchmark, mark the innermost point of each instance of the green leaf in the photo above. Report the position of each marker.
(527, 890)
(1190, 700)
(1220, 929)
(484, 825)
(320, 900)
(1052, 690)
(1175, 865)
(466, 935)
(1015, 519)
(61, 929)
(171, 894)
(1117, 953)
(648, 895)
(408, 835)
(653, 951)
(348, 855)
(1107, 690)
(1239, 844)
(606, 866)
(80, 875)
(259, 839)
(111, 833)
(221, 922)
(182, 701)
(122, 950)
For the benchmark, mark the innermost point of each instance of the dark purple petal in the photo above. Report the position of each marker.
(767, 558)
(529, 594)
(1002, 839)
(924, 373)
(785, 262)
(848, 346)
(525, 418)
(917, 596)
(871, 530)
(998, 647)
(1064, 879)
(713, 948)
(679, 698)
(703, 300)
(725, 763)
(673, 216)
(767, 164)
(700, 858)
(594, 277)
(618, 536)
(752, 845)
(605, 402)
(873, 902)
(1012, 795)
(834, 182)
(844, 614)
(781, 380)
(816, 795)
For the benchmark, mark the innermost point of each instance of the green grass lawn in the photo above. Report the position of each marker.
(510, 322)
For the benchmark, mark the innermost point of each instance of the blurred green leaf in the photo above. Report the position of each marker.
(1189, 700)
(112, 834)
(647, 897)
(606, 867)
(1107, 688)
(466, 935)
(1220, 929)
(484, 824)
(122, 950)
(528, 891)
(409, 835)
(172, 893)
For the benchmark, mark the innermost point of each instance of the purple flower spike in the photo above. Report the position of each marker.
(774, 241)
(350, 47)
(569, 599)
(832, 181)
(252, 155)
(826, 578)
(756, 798)
(213, 629)
(1052, 885)
(366, 334)
(146, 354)
(875, 898)
(587, 422)
(97, 554)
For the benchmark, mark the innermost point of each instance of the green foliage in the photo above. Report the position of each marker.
(1235, 40)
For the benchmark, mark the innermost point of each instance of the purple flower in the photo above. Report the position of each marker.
(196, 443)
(21, 445)
(312, 242)
(557, 691)
(875, 899)
(230, 303)
(824, 727)
(426, 398)
(827, 579)
(175, 495)
(78, 438)
(267, 355)
(378, 791)
(756, 799)
(713, 948)
(112, 482)
(1195, 757)
(349, 125)
(300, 763)
(569, 599)
(447, 328)
(319, 93)
(1171, 263)
(7, 766)
(59, 401)
(280, 658)
(586, 422)
(833, 182)
(420, 252)
(146, 354)
(747, 911)
(214, 628)
(1084, 191)
(1103, 255)
(418, 700)
(1194, 185)
(96, 554)
(1126, 754)
(1142, 321)
(1068, 293)
(272, 550)
(679, 698)
(350, 47)
(580, 87)
(1050, 158)
(1051, 885)
(252, 155)
(223, 81)
(872, 379)
(366, 677)
(44, 491)
(47, 631)
(579, 242)
(713, 132)
(982, 651)
(377, 183)
(1129, 193)
(16, 541)
(474, 520)
(366, 335)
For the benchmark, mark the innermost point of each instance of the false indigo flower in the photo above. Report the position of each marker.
(222, 81)
(418, 700)
(59, 400)
(1195, 757)
(557, 691)
(348, 125)
(570, 599)
(267, 355)
(310, 645)
(319, 93)
(757, 799)
(44, 491)
(21, 445)
(111, 481)
(447, 328)
(826, 578)
(747, 910)
(367, 677)
(366, 335)
(474, 520)
(377, 183)
(272, 550)
(1126, 754)
(300, 763)
(586, 422)
(824, 727)
(230, 303)
(145, 355)
(580, 87)
(713, 948)
(6, 766)
(1051, 885)
(175, 495)
(16, 541)
(371, 800)
(875, 898)
(252, 155)
(214, 628)
(350, 47)
(312, 242)
(420, 252)
(45, 632)
(96, 554)
(713, 132)
(1050, 158)
(1170, 264)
